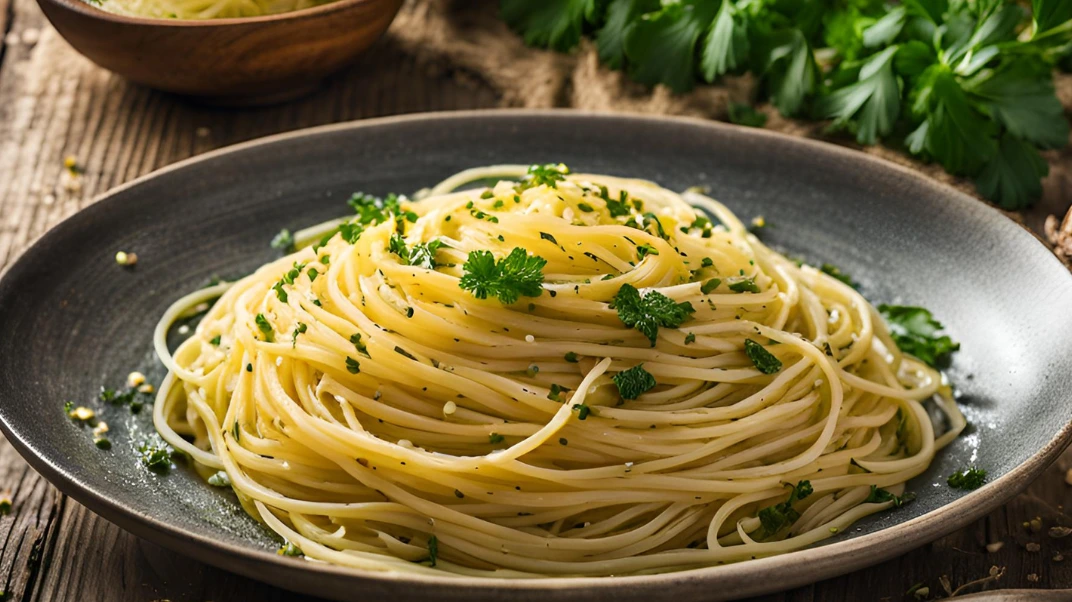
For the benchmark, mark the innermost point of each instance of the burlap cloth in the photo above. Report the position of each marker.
(466, 39)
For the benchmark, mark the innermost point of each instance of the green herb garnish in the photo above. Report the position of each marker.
(265, 328)
(648, 313)
(968, 479)
(780, 516)
(509, 278)
(763, 360)
(915, 331)
(634, 382)
(284, 241)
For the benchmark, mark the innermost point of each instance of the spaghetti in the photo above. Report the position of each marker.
(556, 375)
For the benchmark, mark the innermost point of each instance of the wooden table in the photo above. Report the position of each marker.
(54, 103)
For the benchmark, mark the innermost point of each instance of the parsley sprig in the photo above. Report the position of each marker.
(518, 274)
(915, 331)
(649, 312)
(964, 83)
(634, 382)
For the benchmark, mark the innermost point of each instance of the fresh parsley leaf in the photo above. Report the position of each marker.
(518, 274)
(1013, 177)
(634, 382)
(661, 47)
(620, 17)
(745, 115)
(617, 207)
(372, 210)
(789, 66)
(553, 24)
(1020, 96)
(726, 47)
(763, 360)
(954, 131)
(915, 331)
(968, 479)
(871, 105)
(649, 312)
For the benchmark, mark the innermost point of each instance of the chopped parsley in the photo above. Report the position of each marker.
(617, 208)
(748, 285)
(556, 392)
(881, 496)
(690, 338)
(968, 479)
(509, 278)
(583, 410)
(571, 357)
(215, 340)
(279, 292)
(915, 331)
(352, 365)
(710, 285)
(634, 382)
(355, 339)
(433, 550)
(706, 262)
(763, 360)
(290, 550)
(780, 516)
(648, 313)
(495, 438)
(284, 241)
(548, 237)
(299, 329)
(645, 250)
(265, 328)
(423, 254)
(545, 175)
(156, 458)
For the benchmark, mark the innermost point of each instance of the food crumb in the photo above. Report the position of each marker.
(1035, 525)
(449, 408)
(126, 259)
(83, 413)
(1058, 557)
(1033, 547)
(1033, 577)
(31, 36)
(922, 592)
(146, 388)
(994, 547)
(135, 379)
(1059, 532)
(203, 132)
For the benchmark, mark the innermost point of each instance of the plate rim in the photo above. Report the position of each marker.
(794, 568)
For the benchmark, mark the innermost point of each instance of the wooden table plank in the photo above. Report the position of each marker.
(53, 103)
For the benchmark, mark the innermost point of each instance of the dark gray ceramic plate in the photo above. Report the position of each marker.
(73, 320)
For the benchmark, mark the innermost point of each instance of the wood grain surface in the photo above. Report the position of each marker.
(54, 104)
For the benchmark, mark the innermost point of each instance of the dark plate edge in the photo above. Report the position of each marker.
(741, 579)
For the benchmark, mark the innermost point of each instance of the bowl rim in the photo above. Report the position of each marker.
(808, 565)
(86, 9)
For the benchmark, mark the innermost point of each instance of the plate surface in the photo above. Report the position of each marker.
(73, 320)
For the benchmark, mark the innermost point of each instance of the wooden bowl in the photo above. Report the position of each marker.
(245, 61)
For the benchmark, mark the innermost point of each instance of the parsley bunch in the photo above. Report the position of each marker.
(964, 83)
